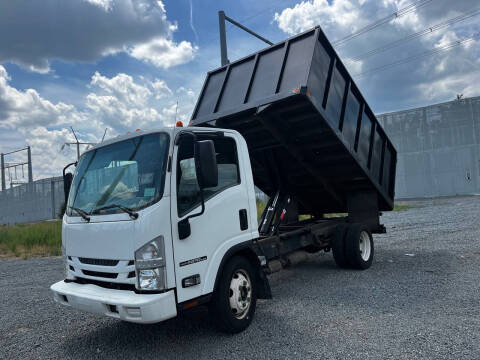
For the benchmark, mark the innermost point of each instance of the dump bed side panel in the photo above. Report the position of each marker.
(308, 128)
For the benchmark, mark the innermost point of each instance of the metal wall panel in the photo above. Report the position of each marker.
(40, 200)
(266, 76)
(438, 148)
(296, 63)
(237, 84)
(335, 98)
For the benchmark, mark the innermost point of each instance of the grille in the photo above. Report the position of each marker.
(100, 274)
(100, 262)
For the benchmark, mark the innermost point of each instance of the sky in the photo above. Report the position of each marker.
(126, 64)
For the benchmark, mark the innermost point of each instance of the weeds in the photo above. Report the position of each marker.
(27, 240)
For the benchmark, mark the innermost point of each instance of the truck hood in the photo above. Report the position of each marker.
(100, 240)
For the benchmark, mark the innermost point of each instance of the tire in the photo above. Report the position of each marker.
(235, 299)
(359, 248)
(338, 246)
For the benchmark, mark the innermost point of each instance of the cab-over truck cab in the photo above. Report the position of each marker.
(161, 221)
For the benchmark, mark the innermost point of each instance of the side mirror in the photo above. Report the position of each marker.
(206, 164)
(67, 180)
(67, 183)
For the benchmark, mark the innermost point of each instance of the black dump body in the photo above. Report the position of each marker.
(308, 128)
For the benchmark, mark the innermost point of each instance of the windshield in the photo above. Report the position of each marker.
(130, 173)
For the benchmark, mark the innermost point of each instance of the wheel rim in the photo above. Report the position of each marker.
(365, 246)
(240, 295)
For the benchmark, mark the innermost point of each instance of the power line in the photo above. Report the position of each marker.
(445, 47)
(398, 14)
(416, 35)
(248, 18)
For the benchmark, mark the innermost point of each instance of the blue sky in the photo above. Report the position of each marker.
(121, 65)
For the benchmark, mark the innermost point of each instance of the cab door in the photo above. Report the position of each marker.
(220, 227)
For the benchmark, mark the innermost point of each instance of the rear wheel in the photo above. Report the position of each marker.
(359, 247)
(338, 246)
(234, 301)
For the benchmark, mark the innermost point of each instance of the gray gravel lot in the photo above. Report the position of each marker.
(421, 305)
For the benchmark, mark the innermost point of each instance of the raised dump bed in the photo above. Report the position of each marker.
(309, 130)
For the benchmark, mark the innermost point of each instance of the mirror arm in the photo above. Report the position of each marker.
(66, 167)
(202, 210)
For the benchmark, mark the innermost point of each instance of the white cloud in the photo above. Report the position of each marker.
(3, 73)
(446, 38)
(160, 88)
(355, 67)
(28, 108)
(123, 88)
(448, 87)
(163, 52)
(104, 4)
(308, 14)
(184, 91)
(119, 103)
(86, 30)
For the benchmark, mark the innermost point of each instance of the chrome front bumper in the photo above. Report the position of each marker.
(120, 304)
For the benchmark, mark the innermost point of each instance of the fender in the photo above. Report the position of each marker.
(245, 249)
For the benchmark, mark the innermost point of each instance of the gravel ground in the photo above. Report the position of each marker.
(420, 299)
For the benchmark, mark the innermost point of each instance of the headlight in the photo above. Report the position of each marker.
(150, 265)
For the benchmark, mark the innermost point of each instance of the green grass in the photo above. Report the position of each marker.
(402, 207)
(260, 206)
(27, 240)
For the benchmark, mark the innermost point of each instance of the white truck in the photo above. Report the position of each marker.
(160, 221)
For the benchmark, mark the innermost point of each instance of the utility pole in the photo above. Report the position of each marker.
(14, 165)
(78, 143)
(3, 171)
(223, 35)
(29, 161)
(105, 133)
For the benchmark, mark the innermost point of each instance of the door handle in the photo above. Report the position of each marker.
(242, 214)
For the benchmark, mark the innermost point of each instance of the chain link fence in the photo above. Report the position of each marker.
(37, 201)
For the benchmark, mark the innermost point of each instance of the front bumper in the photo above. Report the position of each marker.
(121, 304)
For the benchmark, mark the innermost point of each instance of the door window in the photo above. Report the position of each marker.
(188, 191)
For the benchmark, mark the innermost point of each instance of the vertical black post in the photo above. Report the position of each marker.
(223, 38)
(30, 173)
(3, 171)
(52, 198)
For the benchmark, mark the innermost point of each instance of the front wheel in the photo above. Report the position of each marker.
(234, 301)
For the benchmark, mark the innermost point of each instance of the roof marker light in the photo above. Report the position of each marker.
(179, 124)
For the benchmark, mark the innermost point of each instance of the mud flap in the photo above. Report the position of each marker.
(263, 285)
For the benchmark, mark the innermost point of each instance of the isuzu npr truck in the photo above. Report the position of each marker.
(160, 221)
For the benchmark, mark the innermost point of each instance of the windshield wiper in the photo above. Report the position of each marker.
(81, 212)
(133, 214)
